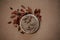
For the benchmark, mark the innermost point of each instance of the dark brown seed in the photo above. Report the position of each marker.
(22, 10)
(19, 28)
(18, 21)
(22, 32)
(11, 8)
(14, 12)
(38, 10)
(17, 9)
(19, 14)
(15, 21)
(9, 22)
(13, 16)
(35, 11)
(39, 18)
(23, 6)
(29, 9)
(16, 26)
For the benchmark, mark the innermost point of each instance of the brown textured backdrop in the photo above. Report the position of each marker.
(50, 24)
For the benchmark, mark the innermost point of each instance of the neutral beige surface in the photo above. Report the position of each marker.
(49, 29)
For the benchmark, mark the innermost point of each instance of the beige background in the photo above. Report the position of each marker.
(49, 29)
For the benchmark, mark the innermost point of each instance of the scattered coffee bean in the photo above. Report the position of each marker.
(13, 16)
(11, 8)
(22, 32)
(23, 6)
(9, 22)
(19, 28)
